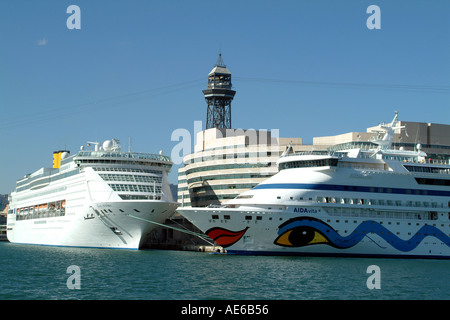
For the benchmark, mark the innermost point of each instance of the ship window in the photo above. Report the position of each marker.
(258, 218)
(135, 188)
(246, 196)
(332, 162)
(215, 216)
(226, 217)
(46, 210)
(248, 217)
(436, 182)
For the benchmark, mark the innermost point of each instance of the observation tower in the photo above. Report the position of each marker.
(218, 96)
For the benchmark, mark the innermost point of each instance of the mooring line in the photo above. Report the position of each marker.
(201, 236)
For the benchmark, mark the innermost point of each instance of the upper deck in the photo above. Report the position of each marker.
(106, 157)
(127, 155)
(90, 157)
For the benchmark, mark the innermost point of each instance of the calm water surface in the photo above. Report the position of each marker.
(39, 272)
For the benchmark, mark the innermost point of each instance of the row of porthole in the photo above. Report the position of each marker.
(105, 211)
(389, 222)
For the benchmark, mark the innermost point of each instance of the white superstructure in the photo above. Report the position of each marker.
(102, 198)
(367, 200)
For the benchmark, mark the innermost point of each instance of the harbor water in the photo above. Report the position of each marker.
(47, 273)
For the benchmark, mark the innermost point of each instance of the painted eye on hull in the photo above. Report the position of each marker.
(300, 236)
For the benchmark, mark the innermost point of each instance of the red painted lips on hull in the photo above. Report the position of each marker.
(224, 237)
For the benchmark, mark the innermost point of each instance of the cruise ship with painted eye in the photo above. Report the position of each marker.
(362, 200)
(102, 198)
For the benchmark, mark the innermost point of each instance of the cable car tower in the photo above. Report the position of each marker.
(218, 96)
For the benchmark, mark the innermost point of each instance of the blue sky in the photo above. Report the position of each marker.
(137, 69)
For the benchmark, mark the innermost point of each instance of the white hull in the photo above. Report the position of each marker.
(260, 232)
(102, 199)
(92, 228)
(358, 200)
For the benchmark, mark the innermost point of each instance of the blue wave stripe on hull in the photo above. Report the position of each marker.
(364, 229)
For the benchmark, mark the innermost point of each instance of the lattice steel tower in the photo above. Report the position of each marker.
(218, 96)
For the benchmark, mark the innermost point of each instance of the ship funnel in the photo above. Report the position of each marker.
(58, 156)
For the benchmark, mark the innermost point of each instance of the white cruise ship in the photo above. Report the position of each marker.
(367, 200)
(100, 198)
